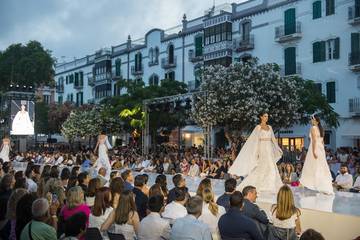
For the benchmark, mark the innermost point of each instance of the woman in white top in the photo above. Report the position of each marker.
(124, 219)
(103, 146)
(284, 213)
(211, 212)
(101, 209)
(5, 150)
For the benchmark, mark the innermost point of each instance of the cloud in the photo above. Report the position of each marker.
(75, 28)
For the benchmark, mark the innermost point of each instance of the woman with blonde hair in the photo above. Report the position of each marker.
(74, 204)
(124, 219)
(285, 216)
(205, 183)
(211, 212)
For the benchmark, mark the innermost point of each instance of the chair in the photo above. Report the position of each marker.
(93, 234)
(115, 236)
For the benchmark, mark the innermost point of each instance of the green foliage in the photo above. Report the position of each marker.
(28, 64)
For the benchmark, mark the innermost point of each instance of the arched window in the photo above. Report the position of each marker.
(156, 55)
(154, 80)
(151, 55)
(171, 54)
(170, 75)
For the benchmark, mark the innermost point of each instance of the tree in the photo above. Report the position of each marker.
(57, 115)
(28, 64)
(233, 97)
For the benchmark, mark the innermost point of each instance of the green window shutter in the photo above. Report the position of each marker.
(290, 61)
(322, 54)
(136, 62)
(81, 78)
(318, 87)
(316, 52)
(316, 9)
(198, 46)
(290, 23)
(357, 8)
(330, 7)
(330, 92)
(355, 42)
(337, 48)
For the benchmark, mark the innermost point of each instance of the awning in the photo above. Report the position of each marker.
(192, 129)
(350, 128)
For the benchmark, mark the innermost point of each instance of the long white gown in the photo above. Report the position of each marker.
(5, 150)
(257, 162)
(316, 173)
(103, 160)
(22, 124)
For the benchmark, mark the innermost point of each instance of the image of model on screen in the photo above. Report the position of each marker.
(22, 124)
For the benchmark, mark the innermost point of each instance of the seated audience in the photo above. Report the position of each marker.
(176, 209)
(211, 212)
(141, 200)
(23, 212)
(101, 209)
(94, 186)
(285, 216)
(179, 182)
(101, 176)
(205, 183)
(124, 219)
(38, 229)
(189, 227)
(75, 227)
(235, 225)
(230, 187)
(116, 187)
(344, 180)
(311, 234)
(153, 226)
(194, 170)
(128, 180)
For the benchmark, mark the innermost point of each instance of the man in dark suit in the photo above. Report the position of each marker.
(141, 200)
(235, 225)
(252, 210)
(180, 183)
(224, 200)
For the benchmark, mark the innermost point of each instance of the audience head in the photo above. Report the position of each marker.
(126, 207)
(311, 234)
(65, 174)
(178, 180)
(194, 206)
(139, 181)
(127, 176)
(54, 172)
(250, 193)
(180, 196)
(117, 186)
(208, 198)
(45, 174)
(343, 168)
(75, 171)
(161, 179)
(230, 185)
(156, 190)
(75, 226)
(205, 183)
(156, 203)
(74, 197)
(146, 177)
(20, 183)
(93, 186)
(40, 209)
(285, 206)
(23, 212)
(102, 201)
(102, 171)
(83, 178)
(15, 196)
(236, 200)
(7, 183)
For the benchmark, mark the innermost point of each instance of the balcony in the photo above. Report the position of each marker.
(60, 88)
(354, 15)
(153, 63)
(91, 81)
(354, 106)
(354, 61)
(116, 76)
(289, 72)
(244, 43)
(167, 63)
(137, 72)
(193, 58)
(284, 33)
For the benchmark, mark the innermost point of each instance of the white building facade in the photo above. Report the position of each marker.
(316, 39)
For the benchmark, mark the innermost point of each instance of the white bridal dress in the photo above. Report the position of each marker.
(257, 162)
(5, 150)
(316, 173)
(22, 124)
(103, 160)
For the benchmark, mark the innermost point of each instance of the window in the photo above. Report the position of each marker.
(319, 51)
(67, 79)
(316, 9)
(170, 75)
(60, 99)
(198, 46)
(245, 30)
(290, 22)
(71, 78)
(318, 87)
(46, 99)
(333, 48)
(79, 99)
(330, 92)
(327, 135)
(81, 78)
(290, 61)
(171, 54)
(138, 61)
(154, 80)
(330, 7)
(118, 67)
(151, 55)
(156, 55)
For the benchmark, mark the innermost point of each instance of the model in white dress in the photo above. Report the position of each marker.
(257, 160)
(103, 146)
(316, 173)
(5, 150)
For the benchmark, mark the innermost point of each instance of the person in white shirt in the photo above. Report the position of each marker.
(146, 163)
(176, 209)
(194, 169)
(59, 160)
(211, 212)
(344, 180)
(153, 227)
